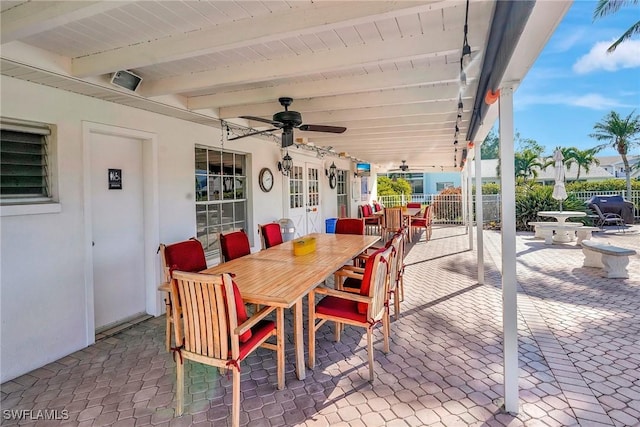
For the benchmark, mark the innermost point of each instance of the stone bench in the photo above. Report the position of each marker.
(538, 230)
(564, 233)
(613, 259)
(584, 233)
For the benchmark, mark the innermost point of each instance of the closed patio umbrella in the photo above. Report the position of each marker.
(559, 192)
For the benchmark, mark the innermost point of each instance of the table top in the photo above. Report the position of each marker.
(277, 277)
(558, 214)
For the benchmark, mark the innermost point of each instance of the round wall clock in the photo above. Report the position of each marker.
(332, 181)
(265, 180)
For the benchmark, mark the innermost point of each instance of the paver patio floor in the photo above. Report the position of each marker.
(579, 346)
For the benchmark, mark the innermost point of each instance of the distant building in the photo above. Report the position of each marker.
(434, 182)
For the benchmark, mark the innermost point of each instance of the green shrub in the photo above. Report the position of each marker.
(605, 185)
(532, 199)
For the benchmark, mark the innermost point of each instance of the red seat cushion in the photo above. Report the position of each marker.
(366, 211)
(350, 226)
(241, 313)
(340, 307)
(262, 328)
(419, 222)
(366, 280)
(377, 207)
(185, 256)
(271, 234)
(414, 205)
(234, 245)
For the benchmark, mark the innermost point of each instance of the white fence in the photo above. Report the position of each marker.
(447, 209)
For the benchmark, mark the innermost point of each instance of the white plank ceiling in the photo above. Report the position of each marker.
(386, 70)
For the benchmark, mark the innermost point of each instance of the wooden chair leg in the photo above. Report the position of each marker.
(235, 406)
(312, 331)
(280, 346)
(337, 330)
(169, 321)
(370, 352)
(396, 303)
(180, 387)
(386, 330)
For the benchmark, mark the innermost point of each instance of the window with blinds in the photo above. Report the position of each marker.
(23, 162)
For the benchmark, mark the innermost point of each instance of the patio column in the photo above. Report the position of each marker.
(509, 281)
(479, 215)
(469, 203)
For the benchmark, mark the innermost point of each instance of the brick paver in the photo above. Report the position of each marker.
(579, 346)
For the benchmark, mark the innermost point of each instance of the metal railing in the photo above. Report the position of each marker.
(447, 208)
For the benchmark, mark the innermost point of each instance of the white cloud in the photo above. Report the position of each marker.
(592, 101)
(627, 55)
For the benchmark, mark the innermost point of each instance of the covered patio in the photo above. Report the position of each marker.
(578, 355)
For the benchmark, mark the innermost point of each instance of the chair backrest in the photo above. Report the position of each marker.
(187, 255)
(207, 315)
(414, 205)
(233, 245)
(375, 283)
(393, 218)
(350, 226)
(270, 235)
(367, 211)
(428, 214)
(395, 269)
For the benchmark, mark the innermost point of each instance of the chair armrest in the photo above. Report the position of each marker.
(347, 273)
(165, 287)
(343, 294)
(253, 320)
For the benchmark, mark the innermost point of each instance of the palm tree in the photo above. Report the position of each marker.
(527, 164)
(582, 158)
(607, 7)
(620, 134)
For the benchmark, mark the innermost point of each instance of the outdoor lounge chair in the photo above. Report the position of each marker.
(602, 219)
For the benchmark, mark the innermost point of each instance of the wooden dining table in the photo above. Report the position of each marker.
(277, 277)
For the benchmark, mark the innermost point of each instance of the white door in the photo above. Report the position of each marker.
(117, 228)
(304, 199)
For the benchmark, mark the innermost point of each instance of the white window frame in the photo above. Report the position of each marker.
(25, 205)
(213, 252)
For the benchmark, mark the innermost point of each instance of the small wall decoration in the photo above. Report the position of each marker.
(115, 179)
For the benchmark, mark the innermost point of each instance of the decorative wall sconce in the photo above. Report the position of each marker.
(286, 164)
(332, 175)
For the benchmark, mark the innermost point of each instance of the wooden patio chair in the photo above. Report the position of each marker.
(345, 280)
(187, 255)
(424, 222)
(234, 244)
(372, 222)
(270, 235)
(350, 226)
(391, 222)
(213, 327)
(365, 310)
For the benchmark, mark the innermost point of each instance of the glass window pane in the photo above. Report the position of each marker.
(213, 215)
(227, 164)
(227, 213)
(215, 162)
(201, 188)
(240, 211)
(227, 188)
(240, 164)
(215, 186)
(201, 161)
(240, 188)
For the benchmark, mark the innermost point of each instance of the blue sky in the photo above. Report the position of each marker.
(575, 83)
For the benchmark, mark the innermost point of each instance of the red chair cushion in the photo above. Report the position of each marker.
(366, 280)
(371, 221)
(377, 207)
(340, 307)
(414, 205)
(366, 210)
(234, 245)
(241, 312)
(271, 234)
(186, 256)
(350, 226)
(262, 328)
(419, 222)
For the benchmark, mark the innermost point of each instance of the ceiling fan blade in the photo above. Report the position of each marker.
(251, 134)
(260, 119)
(321, 128)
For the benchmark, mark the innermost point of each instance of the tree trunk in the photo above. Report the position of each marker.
(627, 173)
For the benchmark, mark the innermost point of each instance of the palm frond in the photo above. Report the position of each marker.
(635, 29)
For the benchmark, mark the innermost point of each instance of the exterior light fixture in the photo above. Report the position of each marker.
(332, 169)
(286, 164)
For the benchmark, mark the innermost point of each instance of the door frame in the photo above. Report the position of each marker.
(151, 221)
(286, 208)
